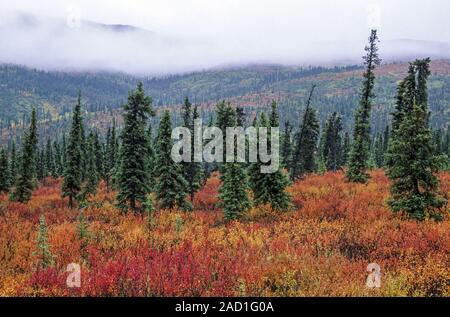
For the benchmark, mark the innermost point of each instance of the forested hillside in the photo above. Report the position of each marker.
(54, 93)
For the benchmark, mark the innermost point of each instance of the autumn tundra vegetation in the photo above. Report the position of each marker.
(139, 224)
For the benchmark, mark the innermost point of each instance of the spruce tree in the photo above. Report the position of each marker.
(5, 178)
(332, 142)
(92, 177)
(59, 168)
(305, 144)
(192, 171)
(171, 186)
(50, 159)
(151, 157)
(63, 153)
(45, 257)
(233, 192)
(412, 160)
(286, 145)
(41, 167)
(437, 140)
(27, 169)
(13, 164)
(133, 176)
(111, 155)
(271, 187)
(447, 146)
(73, 168)
(378, 151)
(99, 156)
(345, 148)
(225, 117)
(359, 154)
(386, 137)
(413, 168)
(83, 234)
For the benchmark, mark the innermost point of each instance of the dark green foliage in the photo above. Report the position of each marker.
(111, 155)
(83, 234)
(437, 140)
(411, 159)
(74, 163)
(331, 146)
(305, 144)
(5, 176)
(412, 168)
(27, 170)
(99, 156)
(13, 164)
(270, 188)
(359, 154)
(50, 160)
(45, 257)
(378, 151)
(59, 167)
(192, 171)
(41, 167)
(92, 177)
(133, 176)
(233, 192)
(286, 145)
(447, 146)
(345, 148)
(225, 117)
(151, 157)
(171, 186)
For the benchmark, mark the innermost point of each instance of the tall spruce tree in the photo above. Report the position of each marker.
(271, 187)
(171, 186)
(332, 143)
(345, 148)
(192, 171)
(305, 143)
(134, 177)
(50, 159)
(59, 168)
(112, 148)
(5, 178)
(233, 192)
(13, 163)
(359, 154)
(99, 156)
(412, 160)
(386, 137)
(41, 167)
(378, 151)
(151, 156)
(27, 169)
(286, 145)
(73, 168)
(92, 177)
(44, 256)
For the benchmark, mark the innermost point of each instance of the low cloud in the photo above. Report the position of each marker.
(179, 36)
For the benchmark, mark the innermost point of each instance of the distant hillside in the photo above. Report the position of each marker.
(254, 86)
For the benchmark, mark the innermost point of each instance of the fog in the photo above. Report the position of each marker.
(183, 35)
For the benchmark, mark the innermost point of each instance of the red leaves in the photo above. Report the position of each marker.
(322, 247)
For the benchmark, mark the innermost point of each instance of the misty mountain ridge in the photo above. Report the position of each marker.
(51, 44)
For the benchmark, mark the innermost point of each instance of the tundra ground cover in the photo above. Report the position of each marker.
(320, 248)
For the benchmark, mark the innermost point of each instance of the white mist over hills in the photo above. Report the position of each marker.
(180, 36)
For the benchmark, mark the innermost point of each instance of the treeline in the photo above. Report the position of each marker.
(138, 165)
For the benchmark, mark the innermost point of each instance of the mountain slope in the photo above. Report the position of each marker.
(254, 86)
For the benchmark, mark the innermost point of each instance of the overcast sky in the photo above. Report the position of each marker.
(196, 34)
